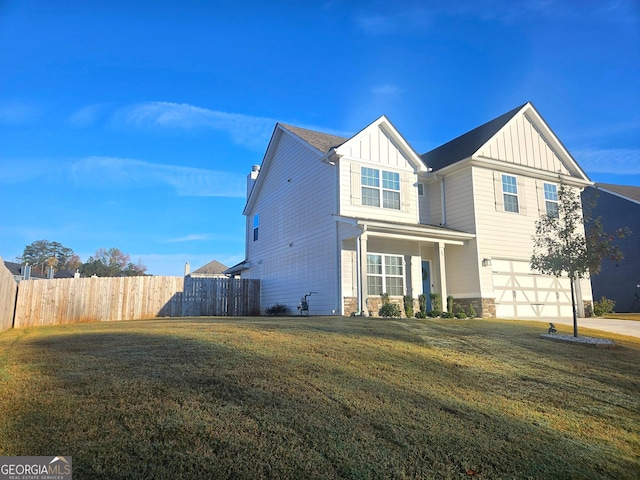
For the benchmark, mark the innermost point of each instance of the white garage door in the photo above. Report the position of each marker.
(521, 293)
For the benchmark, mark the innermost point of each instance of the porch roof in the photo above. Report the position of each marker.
(409, 231)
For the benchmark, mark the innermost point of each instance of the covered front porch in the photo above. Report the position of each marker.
(400, 259)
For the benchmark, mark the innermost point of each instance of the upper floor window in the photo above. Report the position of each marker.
(510, 193)
(420, 189)
(385, 274)
(256, 226)
(551, 199)
(376, 192)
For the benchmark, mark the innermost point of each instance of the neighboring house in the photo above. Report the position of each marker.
(22, 272)
(351, 218)
(619, 207)
(213, 269)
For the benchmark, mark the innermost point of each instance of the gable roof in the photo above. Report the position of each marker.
(627, 191)
(212, 268)
(14, 268)
(467, 144)
(321, 141)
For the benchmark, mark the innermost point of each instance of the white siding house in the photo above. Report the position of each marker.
(349, 219)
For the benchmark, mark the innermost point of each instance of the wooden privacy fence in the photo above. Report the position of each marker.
(73, 300)
(8, 290)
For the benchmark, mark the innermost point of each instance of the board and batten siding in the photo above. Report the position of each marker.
(374, 145)
(296, 251)
(521, 143)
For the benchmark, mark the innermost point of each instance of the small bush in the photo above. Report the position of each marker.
(408, 306)
(460, 313)
(389, 310)
(450, 305)
(421, 314)
(603, 306)
(422, 301)
(436, 301)
(277, 309)
(472, 311)
(448, 315)
(434, 313)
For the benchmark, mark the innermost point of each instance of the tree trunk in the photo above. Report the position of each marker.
(573, 307)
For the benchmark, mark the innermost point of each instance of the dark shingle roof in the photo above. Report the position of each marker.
(322, 141)
(14, 268)
(466, 145)
(624, 190)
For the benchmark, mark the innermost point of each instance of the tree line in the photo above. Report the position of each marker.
(112, 262)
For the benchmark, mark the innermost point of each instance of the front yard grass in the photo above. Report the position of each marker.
(320, 398)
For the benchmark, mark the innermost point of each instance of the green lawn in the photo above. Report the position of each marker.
(321, 398)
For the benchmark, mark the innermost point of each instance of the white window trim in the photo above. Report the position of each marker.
(384, 275)
(548, 201)
(380, 188)
(511, 194)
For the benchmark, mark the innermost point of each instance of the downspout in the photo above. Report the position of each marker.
(442, 199)
(359, 292)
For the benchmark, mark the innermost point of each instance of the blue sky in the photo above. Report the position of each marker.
(134, 124)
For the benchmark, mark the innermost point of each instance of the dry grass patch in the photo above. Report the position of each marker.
(320, 398)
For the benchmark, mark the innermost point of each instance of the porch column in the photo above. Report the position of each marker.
(362, 274)
(442, 274)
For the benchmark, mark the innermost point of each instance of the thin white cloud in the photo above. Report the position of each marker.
(87, 115)
(417, 16)
(194, 237)
(623, 161)
(16, 113)
(385, 90)
(250, 131)
(186, 181)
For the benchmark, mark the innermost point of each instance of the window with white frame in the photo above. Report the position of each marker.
(376, 192)
(256, 226)
(385, 274)
(510, 193)
(551, 199)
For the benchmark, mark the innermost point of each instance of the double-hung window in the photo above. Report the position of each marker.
(510, 193)
(376, 192)
(551, 199)
(385, 274)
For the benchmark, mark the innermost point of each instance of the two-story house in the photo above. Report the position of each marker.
(352, 218)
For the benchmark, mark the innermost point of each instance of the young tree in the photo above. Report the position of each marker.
(561, 246)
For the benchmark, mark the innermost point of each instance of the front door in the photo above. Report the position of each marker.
(426, 282)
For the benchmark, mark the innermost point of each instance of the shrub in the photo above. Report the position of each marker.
(460, 313)
(448, 315)
(422, 301)
(385, 298)
(434, 313)
(389, 310)
(277, 309)
(472, 311)
(436, 301)
(421, 314)
(603, 306)
(408, 305)
(450, 305)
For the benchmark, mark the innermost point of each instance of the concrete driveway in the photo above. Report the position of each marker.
(622, 327)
